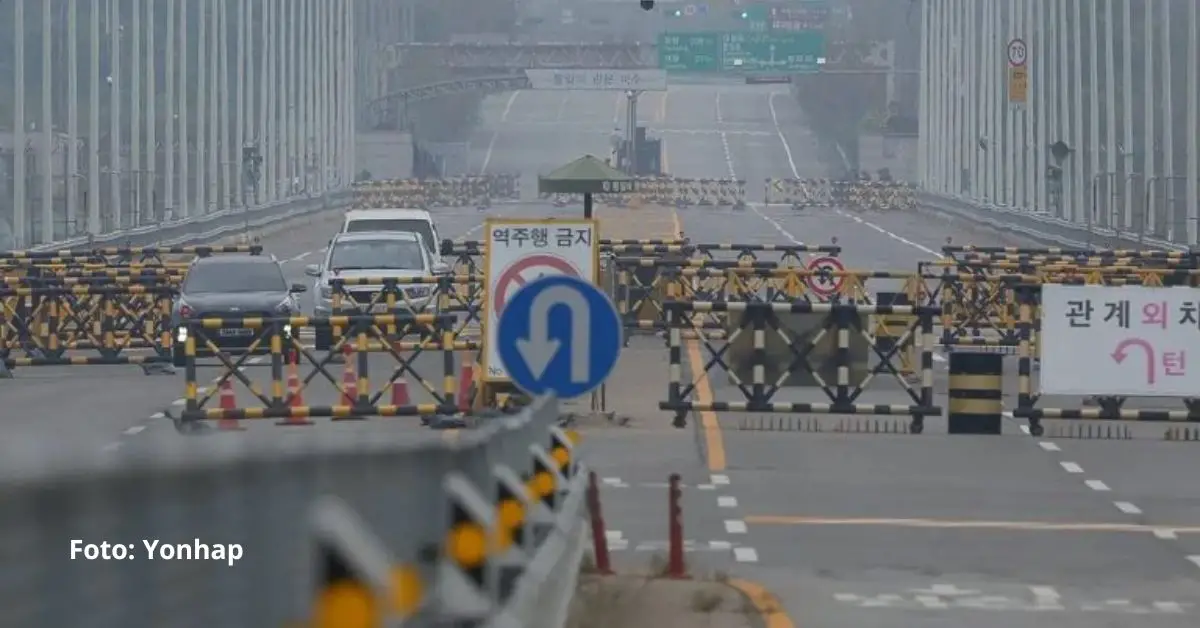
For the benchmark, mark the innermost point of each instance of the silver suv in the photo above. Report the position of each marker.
(388, 255)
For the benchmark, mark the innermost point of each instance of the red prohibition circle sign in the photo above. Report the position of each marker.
(513, 277)
(825, 286)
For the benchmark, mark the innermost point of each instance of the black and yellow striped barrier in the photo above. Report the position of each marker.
(42, 321)
(353, 395)
(846, 194)
(461, 191)
(838, 373)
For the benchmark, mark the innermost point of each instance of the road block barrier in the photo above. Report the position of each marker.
(855, 195)
(458, 296)
(52, 324)
(461, 191)
(680, 192)
(643, 284)
(761, 369)
(278, 340)
(146, 256)
(317, 533)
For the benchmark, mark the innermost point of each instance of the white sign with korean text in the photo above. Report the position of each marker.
(603, 79)
(518, 251)
(1123, 341)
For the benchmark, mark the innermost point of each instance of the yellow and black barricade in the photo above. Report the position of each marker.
(277, 340)
(53, 322)
(461, 191)
(976, 404)
(767, 379)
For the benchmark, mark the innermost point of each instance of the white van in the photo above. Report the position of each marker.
(405, 220)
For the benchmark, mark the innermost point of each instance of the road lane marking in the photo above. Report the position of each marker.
(787, 150)
(1194, 559)
(1097, 485)
(735, 526)
(1128, 508)
(745, 554)
(720, 479)
(1071, 467)
(487, 155)
(778, 227)
(1049, 446)
(714, 442)
(1166, 535)
(770, 609)
(1016, 526)
(727, 501)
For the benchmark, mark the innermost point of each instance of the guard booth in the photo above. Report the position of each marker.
(647, 160)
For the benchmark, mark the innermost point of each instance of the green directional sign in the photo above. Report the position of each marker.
(690, 52)
(741, 52)
(772, 52)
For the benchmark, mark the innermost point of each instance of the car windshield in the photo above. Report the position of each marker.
(249, 277)
(406, 225)
(377, 254)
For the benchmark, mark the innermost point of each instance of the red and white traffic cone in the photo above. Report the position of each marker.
(228, 404)
(295, 389)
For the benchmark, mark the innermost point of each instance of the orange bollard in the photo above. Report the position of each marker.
(400, 395)
(466, 383)
(228, 403)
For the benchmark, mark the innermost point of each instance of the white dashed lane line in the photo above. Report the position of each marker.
(1128, 508)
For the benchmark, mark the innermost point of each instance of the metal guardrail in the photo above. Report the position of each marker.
(209, 226)
(1041, 227)
(487, 530)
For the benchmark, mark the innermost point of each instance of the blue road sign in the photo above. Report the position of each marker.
(560, 335)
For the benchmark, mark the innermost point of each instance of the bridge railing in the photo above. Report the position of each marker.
(262, 532)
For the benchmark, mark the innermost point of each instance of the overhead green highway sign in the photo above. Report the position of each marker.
(689, 52)
(741, 52)
(773, 52)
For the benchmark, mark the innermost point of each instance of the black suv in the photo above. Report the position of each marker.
(231, 286)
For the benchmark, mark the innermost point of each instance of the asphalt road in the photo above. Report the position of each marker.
(869, 529)
(848, 529)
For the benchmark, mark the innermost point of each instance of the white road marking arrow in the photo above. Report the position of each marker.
(539, 348)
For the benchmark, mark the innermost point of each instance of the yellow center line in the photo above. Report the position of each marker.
(713, 441)
(1036, 526)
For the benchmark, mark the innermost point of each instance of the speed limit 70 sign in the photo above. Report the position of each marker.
(1018, 53)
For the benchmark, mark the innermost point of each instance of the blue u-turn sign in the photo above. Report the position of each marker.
(560, 335)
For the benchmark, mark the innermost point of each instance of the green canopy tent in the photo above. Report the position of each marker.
(587, 175)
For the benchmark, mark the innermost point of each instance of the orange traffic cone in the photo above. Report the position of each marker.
(295, 389)
(400, 395)
(228, 403)
(295, 395)
(466, 383)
